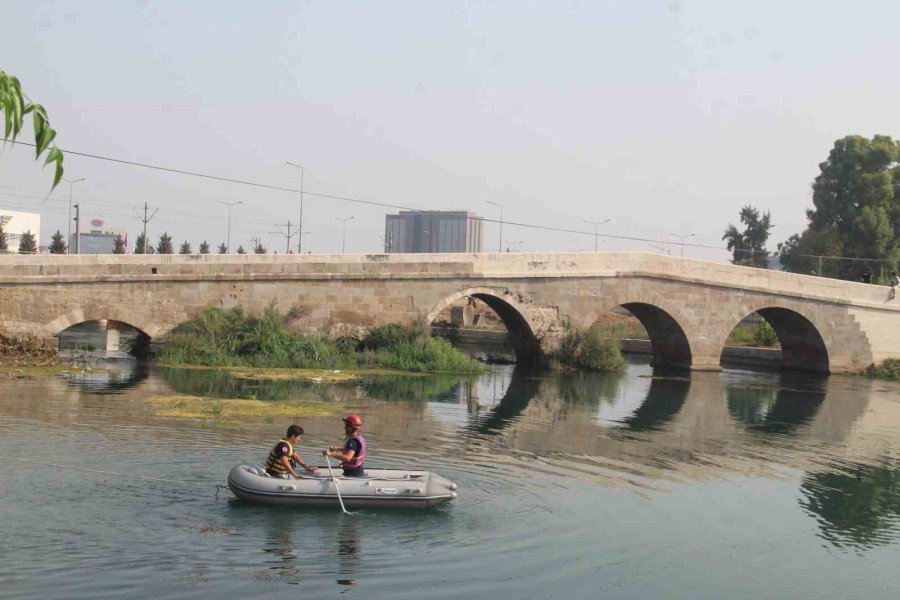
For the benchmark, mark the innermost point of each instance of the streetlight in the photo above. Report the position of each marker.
(69, 230)
(229, 205)
(596, 224)
(682, 238)
(300, 225)
(500, 206)
(344, 238)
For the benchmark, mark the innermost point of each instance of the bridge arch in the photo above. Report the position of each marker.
(802, 345)
(510, 310)
(670, 343)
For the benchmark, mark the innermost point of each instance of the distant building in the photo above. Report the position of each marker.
(99, 239)
(433, 231)
(16, 223)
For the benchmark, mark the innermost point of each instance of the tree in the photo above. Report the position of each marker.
(223, 249)
(57, 243)
(164, 246)
(27, 244)
(185, 248)
(15, 105)
(241, 250)
(749, 247)
(856, 213)
(259, 249)
(141, 246)
(119, 245)
(4, 247)
(204, 247)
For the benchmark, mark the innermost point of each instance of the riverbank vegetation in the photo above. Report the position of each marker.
(233, 338)
(888, 370)
(589, 349)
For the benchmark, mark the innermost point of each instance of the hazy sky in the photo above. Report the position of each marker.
(664, 117)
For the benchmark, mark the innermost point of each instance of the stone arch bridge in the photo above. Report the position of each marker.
(689, 307)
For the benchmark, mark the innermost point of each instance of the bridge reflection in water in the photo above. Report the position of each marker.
(639, 430)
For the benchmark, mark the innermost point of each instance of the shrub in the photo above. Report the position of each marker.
(764, 334)
(390, 335)
(590, 350)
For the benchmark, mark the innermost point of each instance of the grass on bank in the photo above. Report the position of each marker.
(232, 338)
(235, 409)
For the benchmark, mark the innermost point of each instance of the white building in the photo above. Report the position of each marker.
(16, 223)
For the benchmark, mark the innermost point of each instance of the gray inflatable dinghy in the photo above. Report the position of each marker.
(380, 488)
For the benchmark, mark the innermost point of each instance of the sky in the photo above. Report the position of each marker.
(665, 117)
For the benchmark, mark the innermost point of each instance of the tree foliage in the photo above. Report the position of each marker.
(856, 213)
(141, 246)
(223, 249)
(119, 245)
(185, 248)
(27, 243)
(57, 243)
(259, 249)
(15, 106)
(748, 247)
(204, 247)
(164, 246)
(241, 250)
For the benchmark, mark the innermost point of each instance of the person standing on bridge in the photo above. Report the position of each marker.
(283, 459)
(895, 281)
(353, 454)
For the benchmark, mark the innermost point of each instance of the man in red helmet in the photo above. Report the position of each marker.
(353, 454)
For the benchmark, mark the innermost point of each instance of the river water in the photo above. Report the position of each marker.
(638, 485)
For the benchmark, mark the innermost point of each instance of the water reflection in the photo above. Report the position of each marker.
(793, 402)
(856, 506)
(108, 378)
(349, 550)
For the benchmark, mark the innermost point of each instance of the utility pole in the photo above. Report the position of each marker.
(500, 206)
(77, 229)
(71, 182)
(287, 235)
(254, 243)
(682, 238)
(228, 235)
(146, 220)
(344, 238)
(596, 224)
(300, 225)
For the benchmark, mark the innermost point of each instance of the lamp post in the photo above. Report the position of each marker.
(500, 206)
(228, 235)
(682, 238)
(300, 225)
(596, 224)
(344, 237)
(69, 230)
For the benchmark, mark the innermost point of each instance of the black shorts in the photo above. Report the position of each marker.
(354, 472)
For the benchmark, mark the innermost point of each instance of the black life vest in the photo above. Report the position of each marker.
(273, 464)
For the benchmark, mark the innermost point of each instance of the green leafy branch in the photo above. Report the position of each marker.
(15, 106)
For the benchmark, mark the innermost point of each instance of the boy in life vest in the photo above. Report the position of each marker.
(283, 459)
(353, 454)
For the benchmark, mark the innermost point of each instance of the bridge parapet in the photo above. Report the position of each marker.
(689, 306)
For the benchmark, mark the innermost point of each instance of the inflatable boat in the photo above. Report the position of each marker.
(379, 488)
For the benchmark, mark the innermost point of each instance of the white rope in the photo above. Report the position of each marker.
(86, 470)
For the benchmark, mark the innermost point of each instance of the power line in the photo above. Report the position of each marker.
(402, 207)
(354, 200)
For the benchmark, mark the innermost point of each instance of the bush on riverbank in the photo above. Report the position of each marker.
(889, 370)
(590, 350)
(233, 338)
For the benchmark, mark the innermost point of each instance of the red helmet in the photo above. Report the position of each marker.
(353, 420)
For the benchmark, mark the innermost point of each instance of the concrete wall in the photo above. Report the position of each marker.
(689, 307)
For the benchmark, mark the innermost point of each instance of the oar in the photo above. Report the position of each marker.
(336, 486)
